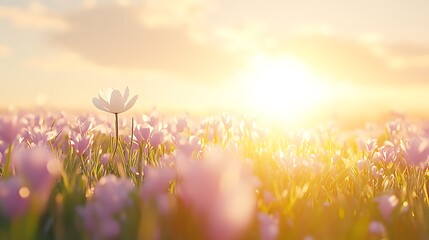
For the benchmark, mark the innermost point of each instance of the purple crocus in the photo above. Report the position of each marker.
(9, 129)
(38, 170)
(181, 124)
(111, 197)
(41, 135)
(156, 139)
(376, 228)
(219, 190)
(387, 153)
(386, 204)
(268, 227)
(81, 144)
(416, 151)
(14, 197)
(142, 132)
(156, 181)
(84, 125)
(188, 146)
(37, 167)
(104, 159)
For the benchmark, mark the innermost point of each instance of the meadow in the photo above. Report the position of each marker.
(150, 176)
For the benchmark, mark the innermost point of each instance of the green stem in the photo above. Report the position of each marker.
(139, 165)
(130, 151)
(6, 172)
(117, 134)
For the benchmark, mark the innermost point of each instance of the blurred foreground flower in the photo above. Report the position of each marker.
(416, 151)
(9, 129)
(220, 191)
(376, 228)
(102, 214)
(386, 205)
(268, 226)
(36, 172)
(13, 197)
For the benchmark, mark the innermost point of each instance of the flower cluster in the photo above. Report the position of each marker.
(220, 177)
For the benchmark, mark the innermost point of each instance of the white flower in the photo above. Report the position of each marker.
(113, 101)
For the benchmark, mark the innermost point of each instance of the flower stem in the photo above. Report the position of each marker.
(130, 150)
(6, 172)
(117, 135)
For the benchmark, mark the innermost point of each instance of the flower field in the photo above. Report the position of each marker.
(67, 176)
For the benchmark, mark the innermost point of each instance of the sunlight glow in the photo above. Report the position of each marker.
(283, 87)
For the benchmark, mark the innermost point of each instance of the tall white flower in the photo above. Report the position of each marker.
(113, 101)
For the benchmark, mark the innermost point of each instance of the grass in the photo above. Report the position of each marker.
(321, 183)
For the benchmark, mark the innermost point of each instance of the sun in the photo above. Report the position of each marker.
(282, 87)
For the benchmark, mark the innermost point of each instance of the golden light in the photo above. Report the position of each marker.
(24, 192)
(282, 88)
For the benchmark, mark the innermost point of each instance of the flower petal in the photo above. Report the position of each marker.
(131, 103)
(108, 94)
(116, 102)
(99, 104)
(126, 94)
(102, 95)
(103, 99)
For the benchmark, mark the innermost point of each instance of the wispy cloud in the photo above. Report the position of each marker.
(116, 36)
(373, 62)
(4, 50)
(35, 16)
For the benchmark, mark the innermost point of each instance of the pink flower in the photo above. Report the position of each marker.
(220, 191)
(98, 223)
(152, 120)
(268, 197)
(84, 125)
(156, 181)
(81, 144)
(416, 151)
(113, 193)
(369, 145)
(376, 228)
(14, 198)
(157, 138)
(387, 153)
(268, 227)
(142, 132)
(9, 129)
(110, 199)
(226, 121)
(393, 126)
(362, 164)
(104, 159)
(188, 147)
(40, 135)
(37, 168)
(36, 173)
(376, 173)
(386, 205)
(181, 124)
(109, 228)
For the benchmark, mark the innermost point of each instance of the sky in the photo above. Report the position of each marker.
(280, 58)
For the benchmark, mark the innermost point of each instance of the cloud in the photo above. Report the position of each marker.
(4, 50)
(116, 37)
(359, 62)
(175, 12)
(35, 16)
